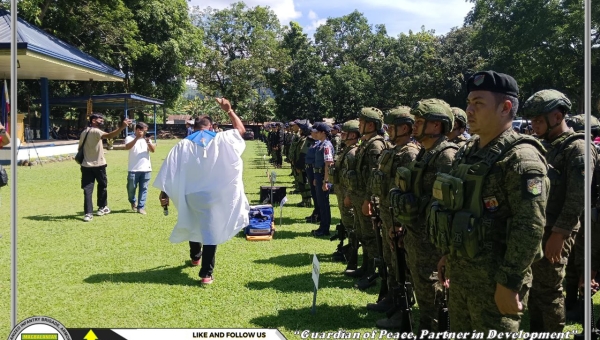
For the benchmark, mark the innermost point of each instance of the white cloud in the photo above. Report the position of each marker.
(285, 9)
(315, 22)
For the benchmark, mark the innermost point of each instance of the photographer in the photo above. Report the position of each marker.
(139, 167)
(93, 167)
(203, 176)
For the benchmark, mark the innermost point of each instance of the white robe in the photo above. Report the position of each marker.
(205, 186)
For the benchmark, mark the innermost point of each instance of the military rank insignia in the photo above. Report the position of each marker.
(534, 186)
(491, 203)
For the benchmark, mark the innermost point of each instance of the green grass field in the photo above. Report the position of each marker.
(120, 270)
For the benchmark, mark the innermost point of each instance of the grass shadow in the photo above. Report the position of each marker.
(294, 260)
(160, 275)
(77, 217)
(303, 283)
(326, 318)
(54, 218)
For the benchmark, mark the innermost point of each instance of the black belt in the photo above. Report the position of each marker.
(318, 170)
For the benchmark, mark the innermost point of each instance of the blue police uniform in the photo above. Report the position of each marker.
(309, 162)
(324, 152)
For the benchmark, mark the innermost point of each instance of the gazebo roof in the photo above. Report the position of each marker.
(107, 101)
(41, 55)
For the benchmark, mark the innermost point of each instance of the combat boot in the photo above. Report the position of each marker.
(353, 272)
(395, 321)
(364, 283)
(384, 305)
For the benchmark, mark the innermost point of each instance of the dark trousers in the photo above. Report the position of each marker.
(310, 175)
(88, 177)
(207, 253)
(323, 202)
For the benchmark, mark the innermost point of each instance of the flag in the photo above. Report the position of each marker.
(6, 107)
(283, 200)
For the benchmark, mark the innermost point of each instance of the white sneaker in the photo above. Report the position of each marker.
(103, 211)
(87, 217)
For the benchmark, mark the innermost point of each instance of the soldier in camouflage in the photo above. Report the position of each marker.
(491, 228)
(344, 161)
(433, 120)
(575, 267)
(566, 157)
(336, 139)
(400, 126)
(457, 135)
(370, 123)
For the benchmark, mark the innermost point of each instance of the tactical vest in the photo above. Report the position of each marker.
(336, 168)
(382, 179)
(460, 140)
(456, 220)
(293, 152)
(362, 172)
(410, 199)
(556, 173)
(347, 165)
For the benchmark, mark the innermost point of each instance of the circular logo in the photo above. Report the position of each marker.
(39, 328)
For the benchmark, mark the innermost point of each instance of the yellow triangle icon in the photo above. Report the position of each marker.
(90, 336)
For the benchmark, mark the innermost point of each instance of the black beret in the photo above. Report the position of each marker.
(493, 82)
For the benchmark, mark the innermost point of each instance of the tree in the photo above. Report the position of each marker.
(548, 52)
(295, 85)
(242, 49)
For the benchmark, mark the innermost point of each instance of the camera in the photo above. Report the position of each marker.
(148, 135)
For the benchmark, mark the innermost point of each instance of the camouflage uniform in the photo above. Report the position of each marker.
(576, 264)
(337, 143)
(422, 256)
(566, 157)
(492, 232)
(461, 117)
(382, 181)
(344, 160)
(367, 155)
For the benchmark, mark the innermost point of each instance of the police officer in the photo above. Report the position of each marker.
(457, 135)
(371, 124)
(323, 160)
(292, 157)
(278, 141)
(344, 161)
(433, 120)
(566, 156)
(311, 145)
(400, 126)
(492, 232)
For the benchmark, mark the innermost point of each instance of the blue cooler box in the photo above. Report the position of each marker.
(261, 220)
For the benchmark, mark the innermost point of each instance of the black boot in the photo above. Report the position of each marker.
(384, 305)
(360, 271)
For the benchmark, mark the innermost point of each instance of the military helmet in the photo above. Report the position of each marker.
(372, 114)
(351, 126)
(399, 115)
(460, 115)
(577, 122)
(545, 101)
(434, 109)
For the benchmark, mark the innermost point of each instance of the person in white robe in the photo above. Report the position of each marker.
(202, 175)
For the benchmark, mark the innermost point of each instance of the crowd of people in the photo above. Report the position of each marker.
(493, 218)
(206, 150)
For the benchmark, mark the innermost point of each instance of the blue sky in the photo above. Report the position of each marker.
(398, 16)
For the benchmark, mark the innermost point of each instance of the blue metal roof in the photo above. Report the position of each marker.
(106, 101)
(35, 39)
